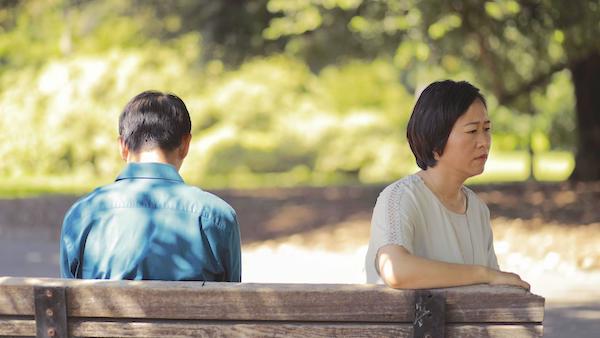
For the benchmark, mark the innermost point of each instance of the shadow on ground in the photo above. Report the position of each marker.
(272, 213)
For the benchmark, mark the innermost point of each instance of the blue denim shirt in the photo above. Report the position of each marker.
(150, 225)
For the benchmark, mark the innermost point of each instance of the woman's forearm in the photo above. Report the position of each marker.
(400, 269)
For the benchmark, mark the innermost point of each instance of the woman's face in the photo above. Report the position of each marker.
(469, 142)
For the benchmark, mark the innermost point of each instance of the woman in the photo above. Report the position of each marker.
(428, 230)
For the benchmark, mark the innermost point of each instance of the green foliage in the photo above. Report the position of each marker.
(325, 108)
(511, 48)
(60, 105)
(68, 109)
(554, 112)
(274, 116)
(270, 116)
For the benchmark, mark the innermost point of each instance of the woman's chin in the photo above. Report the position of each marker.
(477, 171)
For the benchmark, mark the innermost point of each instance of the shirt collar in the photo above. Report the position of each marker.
(150, 171)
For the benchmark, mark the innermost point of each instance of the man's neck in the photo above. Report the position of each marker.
(154, 156)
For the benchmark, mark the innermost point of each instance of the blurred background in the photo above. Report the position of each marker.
(299, 112)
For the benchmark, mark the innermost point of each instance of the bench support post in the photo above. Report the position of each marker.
(50, 312)
(430, 315)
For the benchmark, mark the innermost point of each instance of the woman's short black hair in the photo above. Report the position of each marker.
(154, 119)
(434, 115)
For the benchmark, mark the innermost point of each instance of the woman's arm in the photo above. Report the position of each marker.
(400, 269)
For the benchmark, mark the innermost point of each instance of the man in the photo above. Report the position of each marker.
(149, 224)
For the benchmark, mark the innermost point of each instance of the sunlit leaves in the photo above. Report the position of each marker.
(68, 108)
(410, 50)
(359, 24)
(301, 16)
(329, 103)
(363, 85)
(444, 25)
(500, 9)
(558, 36)
(303, 20)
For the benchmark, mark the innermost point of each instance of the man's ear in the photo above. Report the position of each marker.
(123, 149)
(185, 146)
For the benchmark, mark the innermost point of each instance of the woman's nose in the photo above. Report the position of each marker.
(484, 140)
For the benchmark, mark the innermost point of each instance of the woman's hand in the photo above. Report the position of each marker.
(496, 277)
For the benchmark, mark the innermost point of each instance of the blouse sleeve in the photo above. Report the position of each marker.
(393, 221)
(492, 261)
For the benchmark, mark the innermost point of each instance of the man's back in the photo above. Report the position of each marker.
(150, 225)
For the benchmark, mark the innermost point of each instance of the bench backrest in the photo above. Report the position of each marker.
(198, 309)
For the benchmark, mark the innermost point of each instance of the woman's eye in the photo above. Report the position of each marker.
(472, 131)
(487, 129)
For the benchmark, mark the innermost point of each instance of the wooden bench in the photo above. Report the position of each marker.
(89, 308)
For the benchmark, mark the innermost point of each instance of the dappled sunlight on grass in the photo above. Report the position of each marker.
(504, 167)
(515, 167)
(24, 186)
(553, 166)
(501, 167)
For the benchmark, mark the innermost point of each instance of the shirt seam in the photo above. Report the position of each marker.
(191, 211)
(212, 223)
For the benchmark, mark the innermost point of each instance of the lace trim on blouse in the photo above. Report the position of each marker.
(397, 223)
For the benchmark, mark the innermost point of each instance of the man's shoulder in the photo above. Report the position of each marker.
(210, 200)
(179, 196)
(215, 210)
(82, 203)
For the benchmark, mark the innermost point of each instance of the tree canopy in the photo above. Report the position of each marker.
(287, 92)
(513, 47)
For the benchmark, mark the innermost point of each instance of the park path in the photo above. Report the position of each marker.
(549, 235)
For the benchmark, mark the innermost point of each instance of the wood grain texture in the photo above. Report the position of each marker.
(181, 329)
(233, 329)
(297, 302)
(495, 331)
(13, 327)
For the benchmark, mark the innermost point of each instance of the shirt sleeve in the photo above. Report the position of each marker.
(69, 262)
(234, 257)
(224, 238)
(393, 221)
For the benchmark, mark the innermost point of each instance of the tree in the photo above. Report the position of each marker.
(515, 47)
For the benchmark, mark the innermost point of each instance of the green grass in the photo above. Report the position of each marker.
(514, 166)
(501, 167)
(22, 186)
(504, 167)
(553, 166)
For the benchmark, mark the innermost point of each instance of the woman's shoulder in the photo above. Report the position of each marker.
(408, 186)
(409, 182)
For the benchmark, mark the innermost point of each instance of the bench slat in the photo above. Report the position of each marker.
(11, 327)
(295, 302)
(91, 328)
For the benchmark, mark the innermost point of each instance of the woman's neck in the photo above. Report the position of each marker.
(447, 187)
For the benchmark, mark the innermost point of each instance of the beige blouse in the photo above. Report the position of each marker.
(407, 213)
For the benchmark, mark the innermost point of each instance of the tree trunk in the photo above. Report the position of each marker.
(586, 78)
